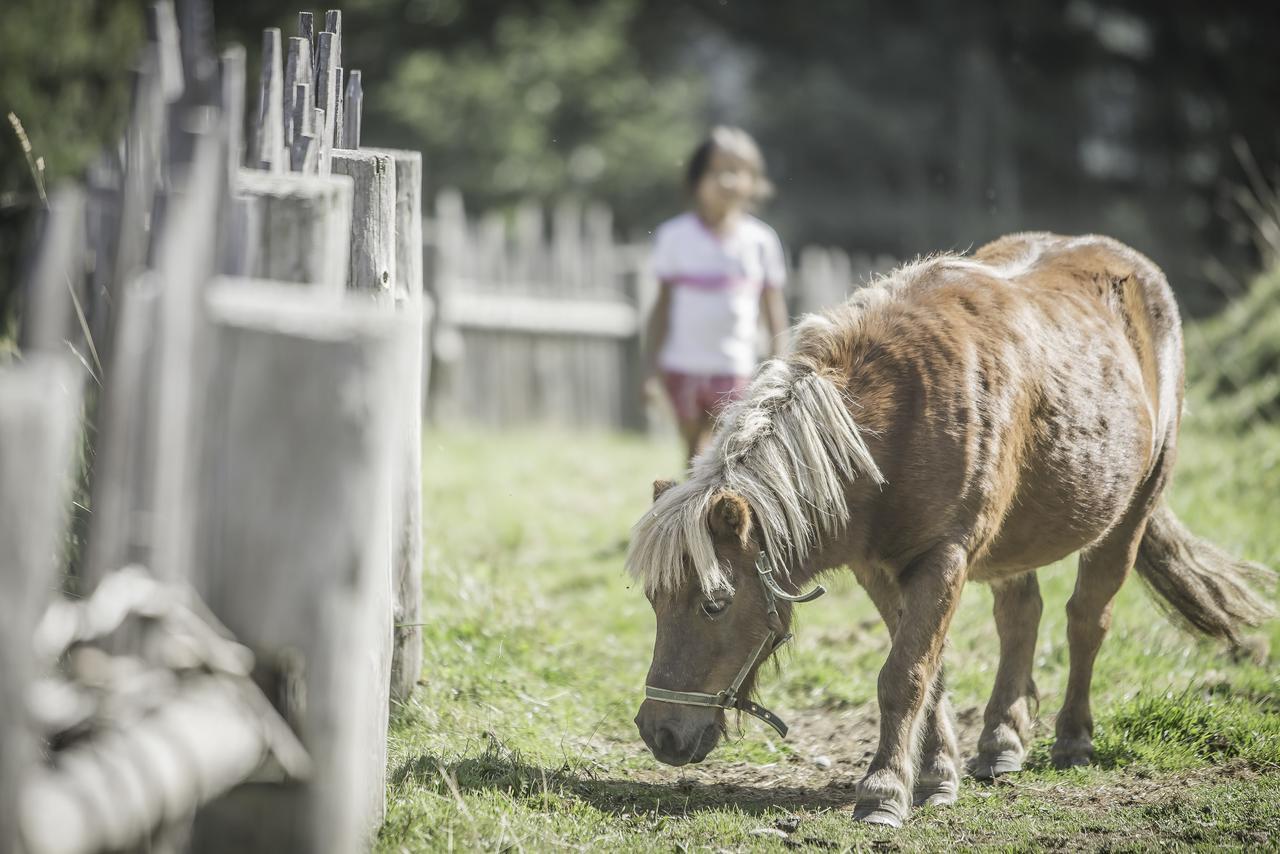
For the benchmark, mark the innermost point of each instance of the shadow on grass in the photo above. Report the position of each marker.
(499, 769)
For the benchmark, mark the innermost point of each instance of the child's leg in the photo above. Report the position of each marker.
(690, 418)
(697, 432)
(715, 394)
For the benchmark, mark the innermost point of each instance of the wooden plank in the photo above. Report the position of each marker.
(119, 529)
(48, 325)
(186, 257)
(539, 316)
(339, 100)
(406, 663)
(299, 454)
(112, 792)
(297, 70)
(307, 29)
(353, 110)
(333, 24)
(326, 95)
(373, 218)
(39, 407)
(304, 155)
(232, 64)
(162, 31)
(269, 128)
(299, 229)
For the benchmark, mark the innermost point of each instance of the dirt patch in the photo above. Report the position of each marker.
(825, 750)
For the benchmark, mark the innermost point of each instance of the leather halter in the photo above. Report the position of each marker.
(728, 698)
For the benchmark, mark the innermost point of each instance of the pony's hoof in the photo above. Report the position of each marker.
(877, 813)
(1072, 753)
(1063, 761)
(941, 794)
(988, 766)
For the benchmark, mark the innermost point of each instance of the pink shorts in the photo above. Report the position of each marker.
(696, 395)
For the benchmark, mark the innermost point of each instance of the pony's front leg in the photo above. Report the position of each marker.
(937, 774)
(1007, 723)
(930, 591)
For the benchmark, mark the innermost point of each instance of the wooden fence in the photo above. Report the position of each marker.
(224, 365)
(537, 321)
(540, 317)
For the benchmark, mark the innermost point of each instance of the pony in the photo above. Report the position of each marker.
(965, 418)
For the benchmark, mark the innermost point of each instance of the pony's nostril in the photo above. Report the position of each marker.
(665, 740)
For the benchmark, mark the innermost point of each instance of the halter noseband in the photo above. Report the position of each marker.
(728, 698)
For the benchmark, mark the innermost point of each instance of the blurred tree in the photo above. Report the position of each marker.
(904, 128)
(555, 102)
(64, 67)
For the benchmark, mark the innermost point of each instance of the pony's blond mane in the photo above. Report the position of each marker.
(789, 447)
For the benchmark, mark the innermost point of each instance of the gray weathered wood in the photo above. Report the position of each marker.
(297, 228)
(326, 96)
(546, 326)
(186, 258)
(119, 529)
(373, 219)
(233, 81)
(406, 664)
(110, 794)
(333, 24)
(307, 29)
(297, 70)
(353, 109)
(535, 315)
(162, 30)
(299, 455)
(269, 128)
(49, 325)
(39, 405)
(339, 106)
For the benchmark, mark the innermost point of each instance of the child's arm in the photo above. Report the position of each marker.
(773, 308)
(656, 329)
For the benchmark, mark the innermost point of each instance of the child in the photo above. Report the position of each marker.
(719, 271)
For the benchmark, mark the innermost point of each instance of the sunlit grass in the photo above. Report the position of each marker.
(537, 646)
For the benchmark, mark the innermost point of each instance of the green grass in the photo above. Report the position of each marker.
(521, 737)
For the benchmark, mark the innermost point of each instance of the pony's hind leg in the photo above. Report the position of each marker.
(1103, 569)
(930, 591)
(937, 781)
(1006, 730)
(937, 769)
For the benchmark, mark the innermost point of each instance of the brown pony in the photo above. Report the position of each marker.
(964, 419)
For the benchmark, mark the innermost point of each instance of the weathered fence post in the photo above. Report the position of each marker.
(39, 404)
(269, 148)
(292, 228)
(298, 465)
(373, 275)
(406, 662)
(373, 220)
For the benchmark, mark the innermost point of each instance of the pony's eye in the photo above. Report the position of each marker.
(714, 607)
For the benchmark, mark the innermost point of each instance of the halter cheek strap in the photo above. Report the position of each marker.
(729, 698)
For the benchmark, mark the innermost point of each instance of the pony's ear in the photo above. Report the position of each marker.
(660, 486)
(730, 517)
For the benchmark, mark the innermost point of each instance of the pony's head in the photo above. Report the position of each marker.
(713, 635)
(712, 551)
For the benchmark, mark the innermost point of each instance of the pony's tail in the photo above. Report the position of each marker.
(1208, 589)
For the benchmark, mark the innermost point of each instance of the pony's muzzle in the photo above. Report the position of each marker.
(678, 736)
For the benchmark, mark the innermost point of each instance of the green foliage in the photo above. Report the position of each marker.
(1176, 730)
(556, 102)
(1233, 360)
(64, 70)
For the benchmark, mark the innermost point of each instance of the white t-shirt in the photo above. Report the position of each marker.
(716, 282)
